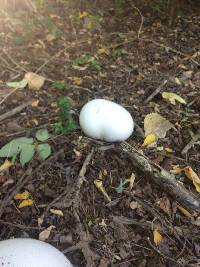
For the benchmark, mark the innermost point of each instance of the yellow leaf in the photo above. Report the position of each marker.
(169, 150)
(172, 97)
(57, 212)
(83, 14)
(177, 81)
(184, 211)
(181, 66)
(157, 237)
(35, 81)
(99, 184)
(192, 176)
(149, 139)
(103, 50)
(35, 103)
(22, 196)
(6, 165)
(25, 203)
(157, 125)
(77, 81)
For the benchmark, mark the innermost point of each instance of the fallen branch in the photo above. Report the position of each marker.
(14, 111)
(161, 177)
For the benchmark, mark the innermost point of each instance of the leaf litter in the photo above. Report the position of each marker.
(109, 72)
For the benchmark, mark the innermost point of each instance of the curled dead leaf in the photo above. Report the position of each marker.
(192, 175)
(35, 81)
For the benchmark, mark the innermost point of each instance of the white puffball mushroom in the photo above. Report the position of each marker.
(27, 252)
(105, 120)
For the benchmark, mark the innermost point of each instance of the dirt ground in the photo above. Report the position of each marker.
(132, 52)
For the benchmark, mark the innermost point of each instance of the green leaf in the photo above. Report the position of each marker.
(21, 84)
(14, 147)
(44, 150)
(42, 135)
(27, 153)
(121, 186)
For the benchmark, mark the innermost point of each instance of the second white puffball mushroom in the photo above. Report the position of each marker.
(27, 252)
(105, 120)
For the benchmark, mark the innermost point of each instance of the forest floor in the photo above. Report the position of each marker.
(121, 51)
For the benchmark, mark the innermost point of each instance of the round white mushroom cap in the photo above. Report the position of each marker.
(105, 120)
(25, 252)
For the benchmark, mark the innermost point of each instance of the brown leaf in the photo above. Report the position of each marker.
(193, 176)
(165, 205)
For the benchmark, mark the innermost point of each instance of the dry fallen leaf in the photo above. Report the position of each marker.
(25, 203)
(172, 97)
(149, 139)
(169, 150)
(134, 205)
(165, 205)
(192, 176)
(57, 212)
(176, 169)
(77, 80)
(83, 14)
(177, 81)
(184, 211)
(44, 235)
(35, 81)
(131, 181)
(5, 166)
(155, 124)
(35, 103)
(22, 196)
(99, 184)
(157, 237)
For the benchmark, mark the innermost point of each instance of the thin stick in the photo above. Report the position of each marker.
(14, 111)
(157, 91)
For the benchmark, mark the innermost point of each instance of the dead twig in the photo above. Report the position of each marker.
(14, 111)
(161, 177)
(190, 144)
(157, 91)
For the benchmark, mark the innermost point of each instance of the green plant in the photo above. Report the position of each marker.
(26, 147)
(121, 185)
(60, 85)
(87, 59)
(65, 121)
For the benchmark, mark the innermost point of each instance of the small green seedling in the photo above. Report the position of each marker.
(60, 85)
(65, 121)
(121, 185)
(26, 147)
(87, 59)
